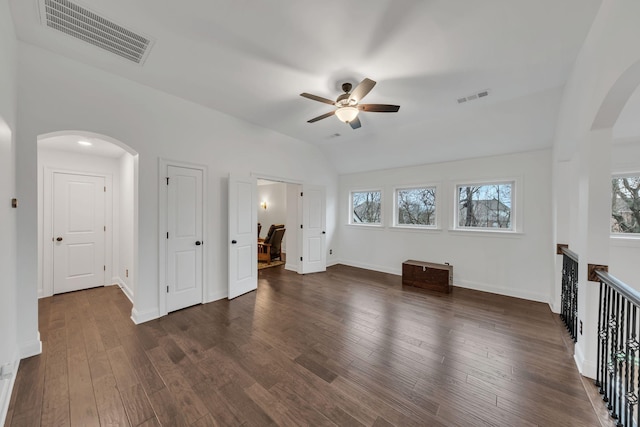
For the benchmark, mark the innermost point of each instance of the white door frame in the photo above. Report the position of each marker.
(47, 226)
(295, 227)
(163, 194)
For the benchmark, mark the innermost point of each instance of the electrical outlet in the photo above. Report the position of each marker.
(126, 273)
(330, 251)
(581, 327)
(5, 371)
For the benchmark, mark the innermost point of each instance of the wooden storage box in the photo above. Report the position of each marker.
(428, 275)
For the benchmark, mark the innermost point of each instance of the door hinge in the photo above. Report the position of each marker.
(300, 225)
(167, 234)
(300, 258)
(167, 180)
(105, 189)
(301, 194)
(167, 288)
(104, 268)
(105, 228)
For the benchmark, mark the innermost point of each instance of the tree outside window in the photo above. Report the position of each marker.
(366, 207)
(625, 204)
(485, 205)
(416, 206)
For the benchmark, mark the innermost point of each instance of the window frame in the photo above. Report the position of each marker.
(515, 224)
(622, 235)
(366, 224)
(436, 209)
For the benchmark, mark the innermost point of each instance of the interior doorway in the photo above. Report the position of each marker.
(87, 213)
(279, 203)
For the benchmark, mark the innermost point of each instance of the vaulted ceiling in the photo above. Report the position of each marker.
(251, 59)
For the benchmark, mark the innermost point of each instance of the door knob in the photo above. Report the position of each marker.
(59, 239)
(198, 243)
(324, 232)
(234, 242)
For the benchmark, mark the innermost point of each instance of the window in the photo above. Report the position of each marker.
(487, 206)
(625, 204)
(415, 207)
(366, 207)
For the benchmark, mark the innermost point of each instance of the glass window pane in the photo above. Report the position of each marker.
(625, 204)
(365, 207)
(485, 206)
(416, 206)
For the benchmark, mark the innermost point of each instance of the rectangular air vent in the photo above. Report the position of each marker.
(83, 24)
(474, 96)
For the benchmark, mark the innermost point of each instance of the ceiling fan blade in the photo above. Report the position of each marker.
(379, 108)
(362, 90)
(355, 123)
(318, 98)
(324, 116)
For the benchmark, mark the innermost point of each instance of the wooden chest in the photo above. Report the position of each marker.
(428, 275)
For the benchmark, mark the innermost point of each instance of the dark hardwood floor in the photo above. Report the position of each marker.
(348, 347)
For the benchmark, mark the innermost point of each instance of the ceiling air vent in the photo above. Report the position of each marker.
(474, 96)
(83, 24)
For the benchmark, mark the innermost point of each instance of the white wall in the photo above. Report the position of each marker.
(9, 351)
(604, 76)
(509, 264)
(624, 251)
(58, 94)
(123, 270)
(50, 160)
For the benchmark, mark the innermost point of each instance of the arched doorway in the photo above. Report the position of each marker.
(73, 168)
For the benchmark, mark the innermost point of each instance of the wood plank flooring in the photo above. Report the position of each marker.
(348, 347)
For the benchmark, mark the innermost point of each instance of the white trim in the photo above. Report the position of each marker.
(216, 297)
(517, 203)
(6, 388)
(146, 316)
(394, 207)
(123, 286)
(30, 348)
(467, 284)
(515, 293)
(486, 232)
(163, 165)
(625, 240)
(368, 224)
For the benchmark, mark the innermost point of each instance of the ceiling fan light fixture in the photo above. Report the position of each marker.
(347, 114)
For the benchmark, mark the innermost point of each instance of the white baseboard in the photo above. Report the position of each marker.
(146, 316)
(291, 267)
(216, 297)
(334, 262)
(396, 271)
(516, 293)
(467, 284)
(30, 348)
(125, 288)
(6, 388)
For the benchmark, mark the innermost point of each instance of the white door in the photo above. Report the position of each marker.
(314, 257)
(78, 232)
(243, 235)
(184, 237)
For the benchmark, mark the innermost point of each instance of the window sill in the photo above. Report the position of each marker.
(368, 226)
(487, 233)
(625, 240)
(401, 228)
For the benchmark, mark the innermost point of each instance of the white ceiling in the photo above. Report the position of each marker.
(251, 59)
(69, 143)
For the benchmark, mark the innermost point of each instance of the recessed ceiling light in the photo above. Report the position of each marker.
(85, 143)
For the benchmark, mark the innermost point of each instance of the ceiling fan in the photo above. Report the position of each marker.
(347, 104)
